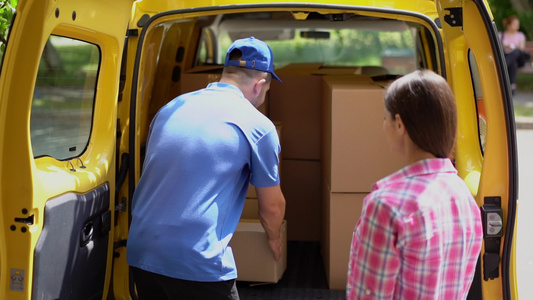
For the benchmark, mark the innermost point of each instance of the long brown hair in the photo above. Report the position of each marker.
(426, 105)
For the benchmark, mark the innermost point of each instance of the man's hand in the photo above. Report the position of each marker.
(276, 245)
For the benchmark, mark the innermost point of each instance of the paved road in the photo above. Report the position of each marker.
(524, 235)
(523, 98)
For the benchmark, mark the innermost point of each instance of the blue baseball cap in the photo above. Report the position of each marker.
(256, 55)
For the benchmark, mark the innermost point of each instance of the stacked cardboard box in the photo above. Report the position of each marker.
(296, 103)
(355, 155)
(333, 151)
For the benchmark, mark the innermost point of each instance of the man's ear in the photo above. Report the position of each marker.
(258, 86)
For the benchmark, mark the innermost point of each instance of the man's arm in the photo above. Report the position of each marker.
(271, 213)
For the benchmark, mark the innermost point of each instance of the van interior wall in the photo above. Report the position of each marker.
(168, 51)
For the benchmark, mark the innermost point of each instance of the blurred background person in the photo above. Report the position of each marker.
(514, 44)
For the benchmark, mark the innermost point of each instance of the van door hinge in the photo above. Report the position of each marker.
(455, 18)
(121, 207)
(118, 244)
(492, 217)
(143, 20)
(132, 33)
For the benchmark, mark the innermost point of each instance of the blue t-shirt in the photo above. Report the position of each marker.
(201, 150)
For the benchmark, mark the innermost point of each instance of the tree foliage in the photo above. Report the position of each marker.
(7, 12)
(521, 8)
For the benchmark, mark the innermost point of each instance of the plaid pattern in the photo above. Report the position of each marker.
(419, 236)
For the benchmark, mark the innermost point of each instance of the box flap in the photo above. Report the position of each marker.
(298, 69)
(250, 225)
(206, 69)
(350, 81)
(331, 70)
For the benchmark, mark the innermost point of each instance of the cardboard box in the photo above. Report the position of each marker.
(355, 151)
(341, 213)
(296, 103)
(252, 193)
(199, 77)
(250, 210)
(253, 256)
(301, 186)
(336, 70)
(298, 69)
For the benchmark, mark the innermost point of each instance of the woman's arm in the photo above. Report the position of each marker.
(522, 43)
(374, 260)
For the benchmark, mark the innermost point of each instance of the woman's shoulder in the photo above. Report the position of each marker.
(519, 37)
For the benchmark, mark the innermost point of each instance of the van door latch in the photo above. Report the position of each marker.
(27, 221)
(492, 217)
(455, 18)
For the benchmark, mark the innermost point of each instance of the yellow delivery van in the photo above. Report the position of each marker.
(81, 81)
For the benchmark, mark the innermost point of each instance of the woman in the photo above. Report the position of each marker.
(514, 43)
(420, 232)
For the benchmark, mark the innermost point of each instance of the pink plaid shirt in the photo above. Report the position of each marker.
(419, 236)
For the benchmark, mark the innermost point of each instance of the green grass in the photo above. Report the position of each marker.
(524, 82)
(521, 110)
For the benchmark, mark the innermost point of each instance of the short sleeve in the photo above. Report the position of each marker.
(522, 37)
(265, 160)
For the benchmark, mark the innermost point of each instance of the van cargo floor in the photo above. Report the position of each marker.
(304, 279)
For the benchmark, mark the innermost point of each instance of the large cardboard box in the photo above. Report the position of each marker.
(199, 77)
(251, 209)
(341, 213)
(301, 186)
(253, 256)
(298, 69)
(355, 151)
(337, 70)
(296, 103)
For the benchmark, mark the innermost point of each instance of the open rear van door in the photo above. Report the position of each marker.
(486, 154)
(59, 82)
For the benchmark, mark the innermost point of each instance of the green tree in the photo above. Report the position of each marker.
(521, 8)
(7, 12)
